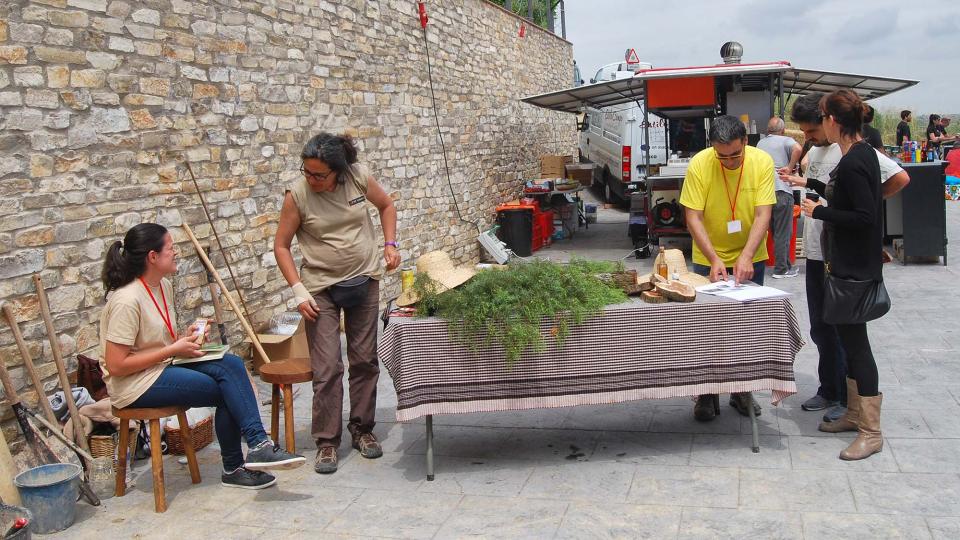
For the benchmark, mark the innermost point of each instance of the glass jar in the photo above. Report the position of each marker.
(101, 477)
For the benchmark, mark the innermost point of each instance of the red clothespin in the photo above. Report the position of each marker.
(422, 10)
(523, 29)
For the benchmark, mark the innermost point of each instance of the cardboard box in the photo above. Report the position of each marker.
(279, 347)
(581, 172)
(554, 166)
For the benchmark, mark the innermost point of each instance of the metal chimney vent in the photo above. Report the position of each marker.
(731, 52)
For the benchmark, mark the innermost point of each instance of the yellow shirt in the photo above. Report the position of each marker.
(131, 318)
(703, 189)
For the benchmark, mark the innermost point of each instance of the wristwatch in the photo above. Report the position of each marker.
(394, 244)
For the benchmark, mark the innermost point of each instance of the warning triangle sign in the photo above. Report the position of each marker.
(631, 57)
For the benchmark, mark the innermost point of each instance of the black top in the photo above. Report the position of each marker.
(853, 228)
(872, 136)
(903, 131)
(931, 131)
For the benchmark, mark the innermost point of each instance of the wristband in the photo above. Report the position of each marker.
(301, 294)
(394, 244)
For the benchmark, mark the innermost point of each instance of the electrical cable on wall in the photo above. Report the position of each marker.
(422, 12)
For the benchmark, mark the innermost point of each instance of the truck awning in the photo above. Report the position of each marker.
(795, 81)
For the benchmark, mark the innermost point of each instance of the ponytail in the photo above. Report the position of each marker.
(127, 260)
(339, 152)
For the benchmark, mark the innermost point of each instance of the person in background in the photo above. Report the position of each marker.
(936, 134)
(728, 196)
(328, 212)
(903, 128)
(138, 342)
(785, 153)
(870, 133)
(945, 123)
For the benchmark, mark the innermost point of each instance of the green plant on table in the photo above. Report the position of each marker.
(507, 306)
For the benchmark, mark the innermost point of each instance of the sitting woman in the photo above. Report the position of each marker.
(138, 342)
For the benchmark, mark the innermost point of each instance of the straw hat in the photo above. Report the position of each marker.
(438, 267)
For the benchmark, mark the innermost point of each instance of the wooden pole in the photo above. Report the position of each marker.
(215, 299)
(58, 360)
(28, 363)
(243, 321)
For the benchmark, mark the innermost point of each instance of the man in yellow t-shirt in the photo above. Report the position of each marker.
(728, 197)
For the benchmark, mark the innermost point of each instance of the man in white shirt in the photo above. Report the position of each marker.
(785, 153)
(821, 160)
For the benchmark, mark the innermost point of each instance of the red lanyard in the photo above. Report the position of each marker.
(733, 202)
(166, 319)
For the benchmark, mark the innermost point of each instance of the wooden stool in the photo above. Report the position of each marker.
(283, 374)
(156, 453)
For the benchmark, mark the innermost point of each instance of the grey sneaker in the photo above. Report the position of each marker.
(792, 272)
(244, 478)
(817, 403)
(326, 460)
(268, 455)
(834, 413)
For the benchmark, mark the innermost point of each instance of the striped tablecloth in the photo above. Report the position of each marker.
(631, 351)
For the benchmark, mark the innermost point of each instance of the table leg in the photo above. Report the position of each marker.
(430, 448)
(753, 425)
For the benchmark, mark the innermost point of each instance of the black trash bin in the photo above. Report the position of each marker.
(516, 230)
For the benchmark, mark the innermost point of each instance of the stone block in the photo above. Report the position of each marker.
(38, 236)
(24, 119)
(25, 33)
(147, 48)
(155, 86)
(78, 100)
(102, 60)
(119, 10)
(28, 76)
(58, 76)
(105, 98)
(4, 30)
(4, 79)
(140, 31)
(11, 164)
(89, 5)
(57, 120)
(21, 263)
(104, 120)
(11, 99)
(180, 54)
(41, 165)
(147, 16)
(71, 162)
(88, 78)
(58, 36)
(44, 99)
(69, 19)
(195, 73)
(203, 91)
(142, 119)
(121, 83)
(121, 44)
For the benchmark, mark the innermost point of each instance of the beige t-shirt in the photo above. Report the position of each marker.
(131, 318)
(336, 234)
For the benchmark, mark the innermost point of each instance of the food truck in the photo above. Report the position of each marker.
(681, 101)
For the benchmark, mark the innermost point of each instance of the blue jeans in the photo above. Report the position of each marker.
(223, 384)
(758, 269)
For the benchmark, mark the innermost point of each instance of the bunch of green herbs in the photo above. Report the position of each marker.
(507, 306)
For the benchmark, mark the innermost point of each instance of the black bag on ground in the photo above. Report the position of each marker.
(853, 301)
(350, 293)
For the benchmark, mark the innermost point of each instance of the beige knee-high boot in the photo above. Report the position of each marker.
(847, 422)
(870, 440)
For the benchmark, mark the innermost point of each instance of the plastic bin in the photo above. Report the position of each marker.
(516, 228)
(771, 256)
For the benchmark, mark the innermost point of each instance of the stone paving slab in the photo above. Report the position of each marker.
(634, 470)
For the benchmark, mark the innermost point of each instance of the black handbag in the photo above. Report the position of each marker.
(853, 301)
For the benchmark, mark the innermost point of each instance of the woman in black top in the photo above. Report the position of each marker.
(852, 240)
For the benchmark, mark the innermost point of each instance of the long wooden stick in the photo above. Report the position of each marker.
(59, 434)
(215, 299)
(243, 320)
(226, 260)
(58, 360)
(28, 363)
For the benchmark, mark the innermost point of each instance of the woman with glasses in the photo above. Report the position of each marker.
(138, 340)
(328, 212)
(852, 248)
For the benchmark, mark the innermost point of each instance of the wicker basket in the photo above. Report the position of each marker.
(201, 433)
(106, 446)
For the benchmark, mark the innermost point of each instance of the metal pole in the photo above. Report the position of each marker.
(783, 104)
(430, 448)
(563, 20)
(530, 9)
(753, 425)
(548, 4)
(508, 4)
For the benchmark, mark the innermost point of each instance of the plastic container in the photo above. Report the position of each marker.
(516, 229)
(771, 256)
(285, 324)
(49, 492)
(8, 514)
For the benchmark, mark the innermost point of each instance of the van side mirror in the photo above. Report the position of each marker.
(583, 123)
(592, 80)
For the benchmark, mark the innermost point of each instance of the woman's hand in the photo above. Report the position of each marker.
(191, 332)
(787, 176)
(808, 206)
(391, 256)
(187, 347)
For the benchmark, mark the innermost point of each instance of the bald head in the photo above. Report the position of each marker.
(775, 126)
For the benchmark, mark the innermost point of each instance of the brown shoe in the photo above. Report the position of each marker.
(326, 461)
(849, 421)
(869, 441)
(365, 442)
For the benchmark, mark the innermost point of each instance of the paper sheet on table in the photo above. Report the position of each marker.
(741, 293)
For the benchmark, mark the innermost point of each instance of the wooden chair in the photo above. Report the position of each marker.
(156, 453)
(283, 374)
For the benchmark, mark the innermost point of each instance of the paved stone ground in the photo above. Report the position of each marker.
(636, 470)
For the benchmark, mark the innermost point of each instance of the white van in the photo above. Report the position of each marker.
(613, 139)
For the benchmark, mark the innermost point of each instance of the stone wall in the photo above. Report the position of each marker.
(103, 102)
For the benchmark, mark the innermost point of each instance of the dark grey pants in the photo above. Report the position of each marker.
(782, 228)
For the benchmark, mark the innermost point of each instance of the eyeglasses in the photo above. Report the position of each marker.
(316, 177)
(731, 157)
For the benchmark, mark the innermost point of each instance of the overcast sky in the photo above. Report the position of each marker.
(894, 38)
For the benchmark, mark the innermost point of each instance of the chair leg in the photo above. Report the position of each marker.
(188, 447)
(156, 462)
(120, 488)
(275, 414)
(288, 430)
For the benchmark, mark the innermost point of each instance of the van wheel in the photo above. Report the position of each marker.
(608, 196)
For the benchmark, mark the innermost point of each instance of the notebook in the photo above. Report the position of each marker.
(212, 351)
